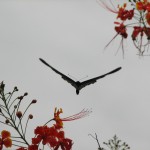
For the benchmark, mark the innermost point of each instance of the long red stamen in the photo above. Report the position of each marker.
(79, 115)
(105, 6)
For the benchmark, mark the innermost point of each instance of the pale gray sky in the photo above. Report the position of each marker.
(71, 35)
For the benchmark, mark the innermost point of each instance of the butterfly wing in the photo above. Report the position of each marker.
(73, 83)
(93, 80)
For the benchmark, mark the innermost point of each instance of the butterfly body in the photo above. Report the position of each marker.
(77, 84)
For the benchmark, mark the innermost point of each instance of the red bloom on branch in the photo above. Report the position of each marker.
(140, 6)
(65, 144)
(124, 14)
(30, 147)
(141, 31)
(33, 147)
(52, 136)
(148, 6)
(62, 142)
(137, 30)
(44, 134)
(143, 5)
(5, 139)
(121, 29)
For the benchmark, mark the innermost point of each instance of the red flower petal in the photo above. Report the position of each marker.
(5, 134)
(33, 147)
(7, 142)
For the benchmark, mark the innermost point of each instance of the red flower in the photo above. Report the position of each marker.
(147, 16)
(136, 32)
(145, 5)
(5, 139)
(147, 32)
(33, 147)
(61, 141)
(148, 7)
(52, 136)
(44, 134)
(30, 147)
(65, 144)
(121, 30)
(140, 6)
(141, 31)
(124, 14)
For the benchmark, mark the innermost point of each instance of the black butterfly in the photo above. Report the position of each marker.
(79, 85)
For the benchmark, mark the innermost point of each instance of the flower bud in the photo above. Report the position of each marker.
(15, 88)
(34, 101)
(25, 94)
(30, 116)
(19, 114)
(6, 121)
(15, 106)
(20, 97)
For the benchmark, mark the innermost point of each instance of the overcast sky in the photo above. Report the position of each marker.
(71, 35)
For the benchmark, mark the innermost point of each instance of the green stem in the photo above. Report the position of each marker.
(24, 114)
(9, 98)
(13, 122)
(19, 141)
(5, 123)
(26, 127)
(12, 102)
(48, 121)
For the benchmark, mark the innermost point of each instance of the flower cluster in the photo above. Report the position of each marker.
(139, 14)
(53, 136)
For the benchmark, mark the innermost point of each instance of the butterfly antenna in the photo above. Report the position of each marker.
(84, 77)
(72, 77)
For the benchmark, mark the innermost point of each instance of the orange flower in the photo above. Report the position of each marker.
(140, 6)
(52, 136)
(5, 139)
(59, 121)
(44, 134)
